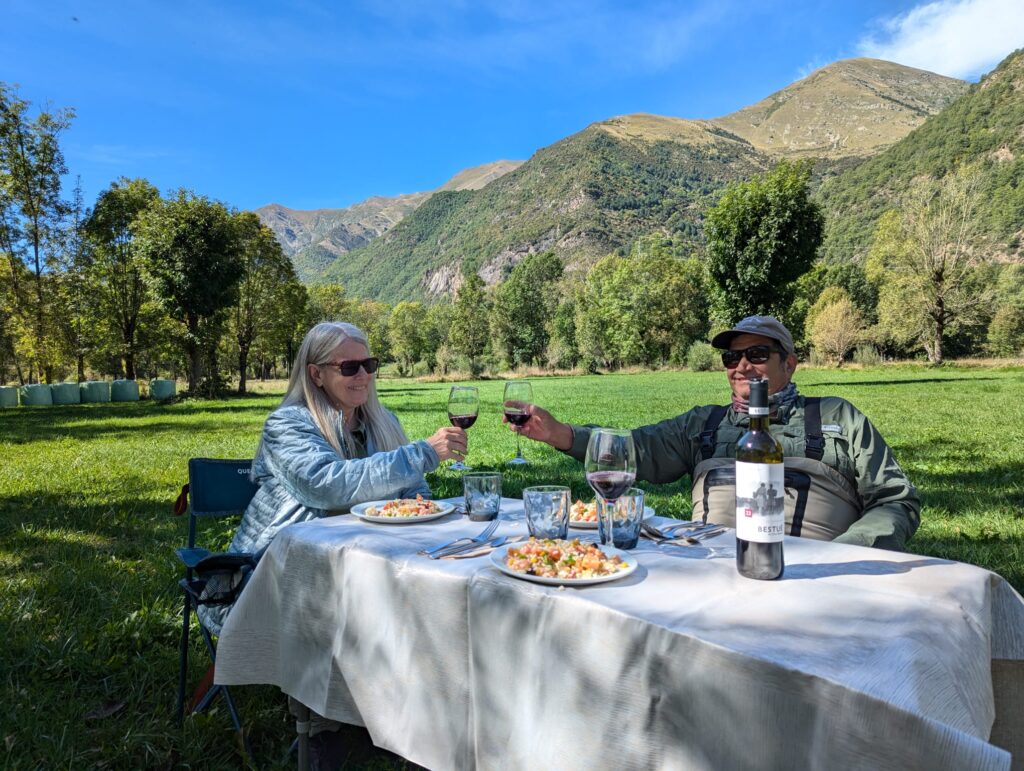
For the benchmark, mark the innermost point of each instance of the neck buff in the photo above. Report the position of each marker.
(782, 398)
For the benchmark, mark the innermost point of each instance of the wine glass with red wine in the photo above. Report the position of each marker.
(517, 391)
(463, 408)
(611, 468)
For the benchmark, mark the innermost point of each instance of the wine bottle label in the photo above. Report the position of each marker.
(760, 502)
(755, 412)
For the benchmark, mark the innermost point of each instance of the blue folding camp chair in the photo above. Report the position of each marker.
(216, 488)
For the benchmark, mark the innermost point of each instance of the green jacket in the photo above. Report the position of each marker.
(891, 509)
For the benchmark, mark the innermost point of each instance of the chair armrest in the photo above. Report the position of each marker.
(191, 557)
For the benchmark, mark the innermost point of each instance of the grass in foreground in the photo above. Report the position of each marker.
(89, 608)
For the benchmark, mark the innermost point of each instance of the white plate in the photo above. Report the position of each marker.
(498, 557)
(359, 510)
(648, 513)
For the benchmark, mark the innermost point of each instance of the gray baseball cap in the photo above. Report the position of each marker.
(767, 326)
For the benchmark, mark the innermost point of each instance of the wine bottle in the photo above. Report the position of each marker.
(760, 494)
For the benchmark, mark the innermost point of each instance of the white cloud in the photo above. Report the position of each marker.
(958, 38)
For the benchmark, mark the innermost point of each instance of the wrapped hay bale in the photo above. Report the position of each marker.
(95, 391)
(38, 395)
(161, 389)
(65, 393)
(8, 396)
(124, 391)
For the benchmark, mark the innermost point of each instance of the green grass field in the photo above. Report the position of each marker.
(89, 608)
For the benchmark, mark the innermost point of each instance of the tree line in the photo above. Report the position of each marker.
(142, 284)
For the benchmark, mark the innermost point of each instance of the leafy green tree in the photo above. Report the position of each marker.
(931, 259)
(117, 268)
(563, 350)
(193, 261)
(851, 277)
(288, 324)
(406, 329)
(328, 302)
(646, 308)
(435, 334)
(76, 317)
(524, 306)
(374, 319)
(469, 331)
(1006, 330)
(266, 271)
(835, 324)
(761, 237)
(31, 211)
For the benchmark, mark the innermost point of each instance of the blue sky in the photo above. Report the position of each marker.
(319, 104)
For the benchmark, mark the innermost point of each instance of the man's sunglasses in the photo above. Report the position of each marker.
(350, 368)
(756, 354)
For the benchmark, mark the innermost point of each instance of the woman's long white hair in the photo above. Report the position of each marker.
(383, 427)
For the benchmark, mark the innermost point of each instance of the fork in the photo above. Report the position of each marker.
(668, 531)
(462, 543)
(693, 537)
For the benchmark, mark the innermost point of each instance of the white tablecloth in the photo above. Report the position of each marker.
(857, 658)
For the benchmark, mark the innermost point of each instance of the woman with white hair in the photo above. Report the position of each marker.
(330, 445)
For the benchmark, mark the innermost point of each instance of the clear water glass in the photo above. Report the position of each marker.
(547, 511)
(482, 493)
(625, 515)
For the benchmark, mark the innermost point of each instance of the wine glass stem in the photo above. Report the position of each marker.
(519, 452)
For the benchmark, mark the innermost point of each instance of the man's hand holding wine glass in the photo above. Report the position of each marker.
(541, 426)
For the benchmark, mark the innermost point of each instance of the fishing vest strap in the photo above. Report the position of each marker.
(814, 442)
(707, 436)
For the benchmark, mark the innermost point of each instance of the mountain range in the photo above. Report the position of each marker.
(595, 191)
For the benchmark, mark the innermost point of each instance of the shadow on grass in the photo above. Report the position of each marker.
(915, 381)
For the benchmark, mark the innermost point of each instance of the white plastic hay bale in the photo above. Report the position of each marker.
(65, 393)
(38, 395)
(95, 391)
(124, 391)
(8, 396)
(161, 389)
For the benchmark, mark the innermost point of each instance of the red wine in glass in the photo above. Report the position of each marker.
(463, 407)
(517, 418)
(462, 421)
(610, 485)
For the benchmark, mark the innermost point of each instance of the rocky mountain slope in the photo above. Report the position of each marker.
(314, 239)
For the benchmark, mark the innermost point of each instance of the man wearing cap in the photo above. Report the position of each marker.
(842, 481)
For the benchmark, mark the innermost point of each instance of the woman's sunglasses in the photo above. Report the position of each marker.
(756, 354)
(350, 368)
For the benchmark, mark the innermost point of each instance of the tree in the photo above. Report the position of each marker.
(328, 302)
(761, 237)
(835, 324)
(76, 317)
(117, 266)
(523, 308)
(645, 308)
(266, 271)
(929, 256)
(469, 325)
(406, 329)
(31, 210)
(438, 325)
(191, 249)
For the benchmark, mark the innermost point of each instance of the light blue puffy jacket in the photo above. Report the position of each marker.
(301, 477)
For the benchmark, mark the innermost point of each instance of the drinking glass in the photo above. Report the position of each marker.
(517, 391)
(625, 515)
(547, 511)
(611, 470)
(482, 494)
(463, 408)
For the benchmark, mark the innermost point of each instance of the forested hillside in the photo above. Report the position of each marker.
(985, 126)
